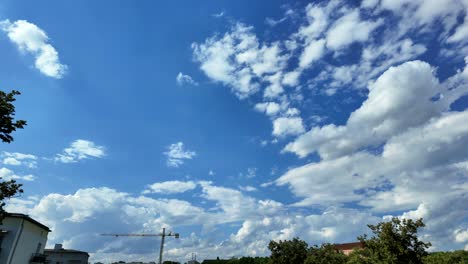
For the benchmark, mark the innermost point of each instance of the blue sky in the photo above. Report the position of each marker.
(235, 123)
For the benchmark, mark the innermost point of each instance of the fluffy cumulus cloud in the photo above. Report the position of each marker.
(32, 39)
(240, 61)
(395, 102)
(350, 28)
(177, 154)
(7, 174)
(19, 159)
(80, 149)
(78, 218)
(284, 126)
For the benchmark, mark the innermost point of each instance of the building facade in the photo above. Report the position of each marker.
(347, 248)
(59, 255)
(22, 240)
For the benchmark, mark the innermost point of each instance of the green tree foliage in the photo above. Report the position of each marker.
(10, 188)
(455, 257)
(7, 113)
(288, 251)
(243, 260)
(325, 254)
(395, 242)
(359, 256)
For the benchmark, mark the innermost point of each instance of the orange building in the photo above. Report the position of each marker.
(347, 248)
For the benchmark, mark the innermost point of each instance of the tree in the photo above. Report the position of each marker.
(7, 112)
(455, 257)
(10, 188)
(288, 251)
(395, 242)
(325, 254)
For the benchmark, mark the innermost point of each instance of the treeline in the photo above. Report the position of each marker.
(393, 242)
(455, 257)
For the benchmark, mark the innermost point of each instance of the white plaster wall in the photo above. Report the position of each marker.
(28, 241)
(11, 225)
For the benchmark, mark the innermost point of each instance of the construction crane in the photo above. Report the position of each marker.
(163, 235)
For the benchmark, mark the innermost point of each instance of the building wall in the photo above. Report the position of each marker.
(22, 240)
(67, 258)
(12, 226)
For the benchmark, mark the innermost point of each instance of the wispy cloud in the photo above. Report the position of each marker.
(30, 38)
(170, 187)
(250, 173)
(218, 15)
(247, 188)
(80, 149)
(182, 79)
(176, 154)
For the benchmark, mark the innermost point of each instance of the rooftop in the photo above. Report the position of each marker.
(28, 218)
(64, 251)
(348, 246)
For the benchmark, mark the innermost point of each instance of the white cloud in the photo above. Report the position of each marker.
(461, 33)
(291, 78)
(80, 149)
(6, 175)
(461, 235)
(247, 188)
(29, 37)
(392, 106)
(269, 108)
(250, 173)
(176, 154)
(317, 21)
(17, 159)
(349, 29)
(272, 22)
(312, 52)
(218, 15)
(369, 3)
(284, 126)
(185, 79)
(171, 187)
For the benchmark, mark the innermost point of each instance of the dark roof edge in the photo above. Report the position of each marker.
(27, 217)
(60, 251)
(346, 246)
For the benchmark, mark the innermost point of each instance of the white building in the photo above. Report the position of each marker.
(59, 255)
(22, 240)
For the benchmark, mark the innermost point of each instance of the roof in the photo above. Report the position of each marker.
(26, 217)
(348, 246)
(62, 251)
